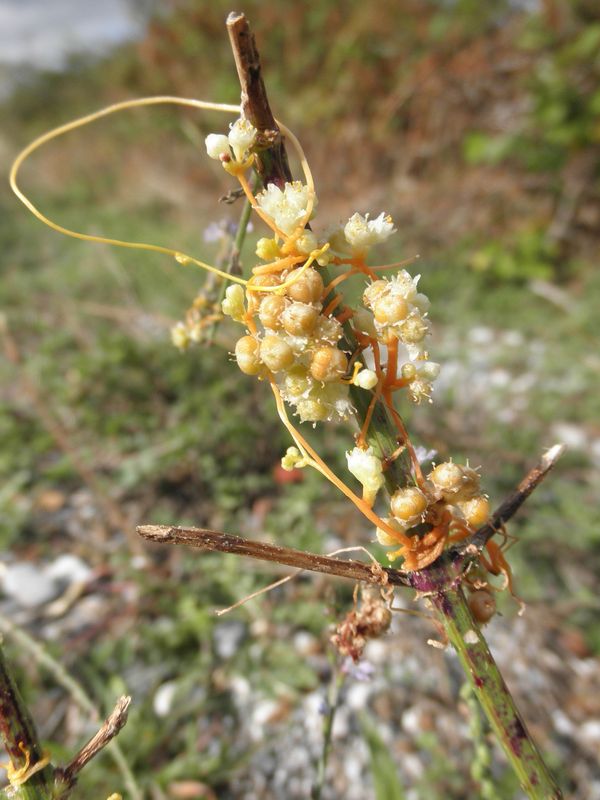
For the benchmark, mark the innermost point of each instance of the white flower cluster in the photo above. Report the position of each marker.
(240, 140)
(400, 312)
(361, 232)
(287, 208)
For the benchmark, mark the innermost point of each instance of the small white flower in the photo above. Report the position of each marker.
(307, 242)
(233, 302)
(428, 370)
(241, 138)
(217, 145)
(286, 208)
(368, 469)
(362, 232)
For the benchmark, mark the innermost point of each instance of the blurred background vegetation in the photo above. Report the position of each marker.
(477, 126)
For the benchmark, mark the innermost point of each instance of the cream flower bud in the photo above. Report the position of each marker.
(365, 379)
(217, 145)
(276, 353)
(362, 232)
(233, 302)
(307, 242)
(408, 504)
(328, 364)
(428, 370)
(267, 249)
(241, 138)
(292, 459)
(180, 336)
(368, 469)
(476, 511)
(247, 355)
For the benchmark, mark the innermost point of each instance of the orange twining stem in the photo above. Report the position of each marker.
(277, 266)
(392, 361)
(344, 315)
(337, 299)
(362, 506)
(336, 281)
(361, 440)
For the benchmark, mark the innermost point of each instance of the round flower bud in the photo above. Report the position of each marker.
(390, 309)
(299, 319)
(476, 511)
(276, 353)
(271, 309)
(374, 291)
(308, 288)
(267, 249)
(366, 379)
(233, 302)
(408, 504)
(217, 145)
(328, 364)
(311, 410)
(483, 605)
(448, 477)
(408, 371)
(247, 355)
(180, 336)
(257, 282)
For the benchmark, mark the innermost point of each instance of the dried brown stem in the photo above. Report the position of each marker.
(264, 551)
(67, 776)
(513, 502)
(435, 578)
(272, 159)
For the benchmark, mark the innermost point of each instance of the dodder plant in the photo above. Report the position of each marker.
(328, 360)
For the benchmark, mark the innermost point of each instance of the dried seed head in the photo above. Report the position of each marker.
(308, 288)
(276, 353)
(271, 309)
(247, 355)
(408, 504)
(483, 605)
(299, 319)
(328, 364)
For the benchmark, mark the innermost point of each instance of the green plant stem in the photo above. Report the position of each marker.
(492, 692)
(333, 699)
(441, 580)
(20, 738)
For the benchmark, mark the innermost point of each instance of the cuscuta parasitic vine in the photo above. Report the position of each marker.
(293, 339)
